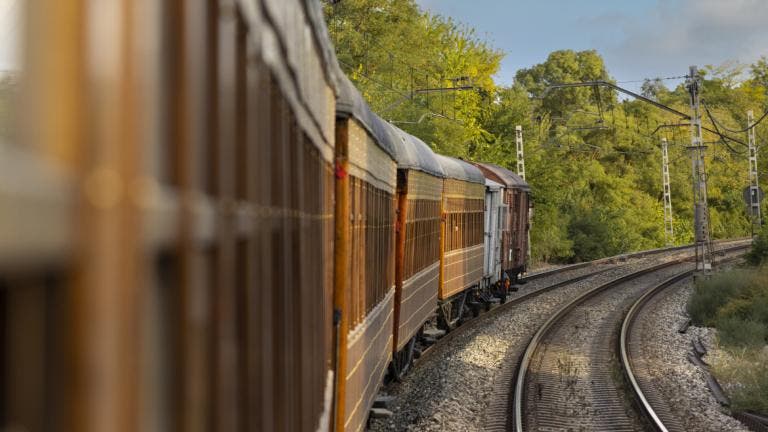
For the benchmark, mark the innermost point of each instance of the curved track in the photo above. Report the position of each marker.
(569, 377)
(433, 396)
(651, 404)
(560, 276)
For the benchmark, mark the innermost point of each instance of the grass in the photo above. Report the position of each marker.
(744, 376)
(736, 304)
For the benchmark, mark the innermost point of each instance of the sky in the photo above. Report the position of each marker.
(637, 38)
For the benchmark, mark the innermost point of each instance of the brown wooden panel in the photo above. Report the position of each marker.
(462, 269)
(171, 124)
(365, 273)
(417, 304)
(372, 233)
(369, 352)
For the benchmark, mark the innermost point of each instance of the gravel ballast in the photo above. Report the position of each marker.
(452, 389)
(679, 382)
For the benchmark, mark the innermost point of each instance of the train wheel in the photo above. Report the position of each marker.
(444, 316)
(403, 360)
(450, 313)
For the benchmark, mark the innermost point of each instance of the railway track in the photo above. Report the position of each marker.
(486, 349)
(582, 271)
(455, 384)
(651, 404)
(569, 375)
(649, 400)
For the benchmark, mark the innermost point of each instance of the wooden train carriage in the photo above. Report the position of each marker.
(166, 219)
(514, 223)
(417, 258)
(365, 254)
(461, 255)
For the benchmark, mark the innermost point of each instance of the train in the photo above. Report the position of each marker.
(206, 227)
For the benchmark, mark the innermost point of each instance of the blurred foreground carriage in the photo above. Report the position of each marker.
(167, 219)
(203, 226)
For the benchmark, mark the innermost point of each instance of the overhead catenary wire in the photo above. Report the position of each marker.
(653, 79)
(639, 97)
(719, 123)
(405, 95)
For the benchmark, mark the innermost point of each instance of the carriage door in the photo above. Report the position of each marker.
(488, 233)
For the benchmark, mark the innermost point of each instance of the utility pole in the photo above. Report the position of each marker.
(520, 152)
(521, 173)
(700, 209)
(668, 228)
(754, 187)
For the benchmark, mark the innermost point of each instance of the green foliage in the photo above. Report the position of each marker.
(736, 303)
(401, 57)
(654, 89)
(759, 251)
(739, 333)
(759, 71)
(592, 161)
(561, 67)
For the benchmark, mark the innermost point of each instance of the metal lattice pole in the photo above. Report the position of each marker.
(520, 152)
(754, 186)
(669, 233)
(521, 173)
(700, 209)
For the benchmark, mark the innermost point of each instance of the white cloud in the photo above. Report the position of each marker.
(678, 33)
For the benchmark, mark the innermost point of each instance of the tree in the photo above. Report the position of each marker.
(759, 71)
(562, 67)
(653, 88)
(405, 62)
(593, 163)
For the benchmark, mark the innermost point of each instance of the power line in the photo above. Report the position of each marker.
(723, 137)
(639, 97)
(406, 96)
(716, 122)
(653, 79)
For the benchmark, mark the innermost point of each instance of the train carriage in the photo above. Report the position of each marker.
(495, 210)
(417, 257)
(210, 229)
(513, 221)
(171, 203)
(461, 254)
(365, 254)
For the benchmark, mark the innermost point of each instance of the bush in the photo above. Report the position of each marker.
(736, 303)
(711, 294)
(734, 332)
(759, 252)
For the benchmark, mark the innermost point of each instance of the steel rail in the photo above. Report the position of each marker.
(533, 345)
(626, 363)
(622, 257)
(625, 357)
(469, 324)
